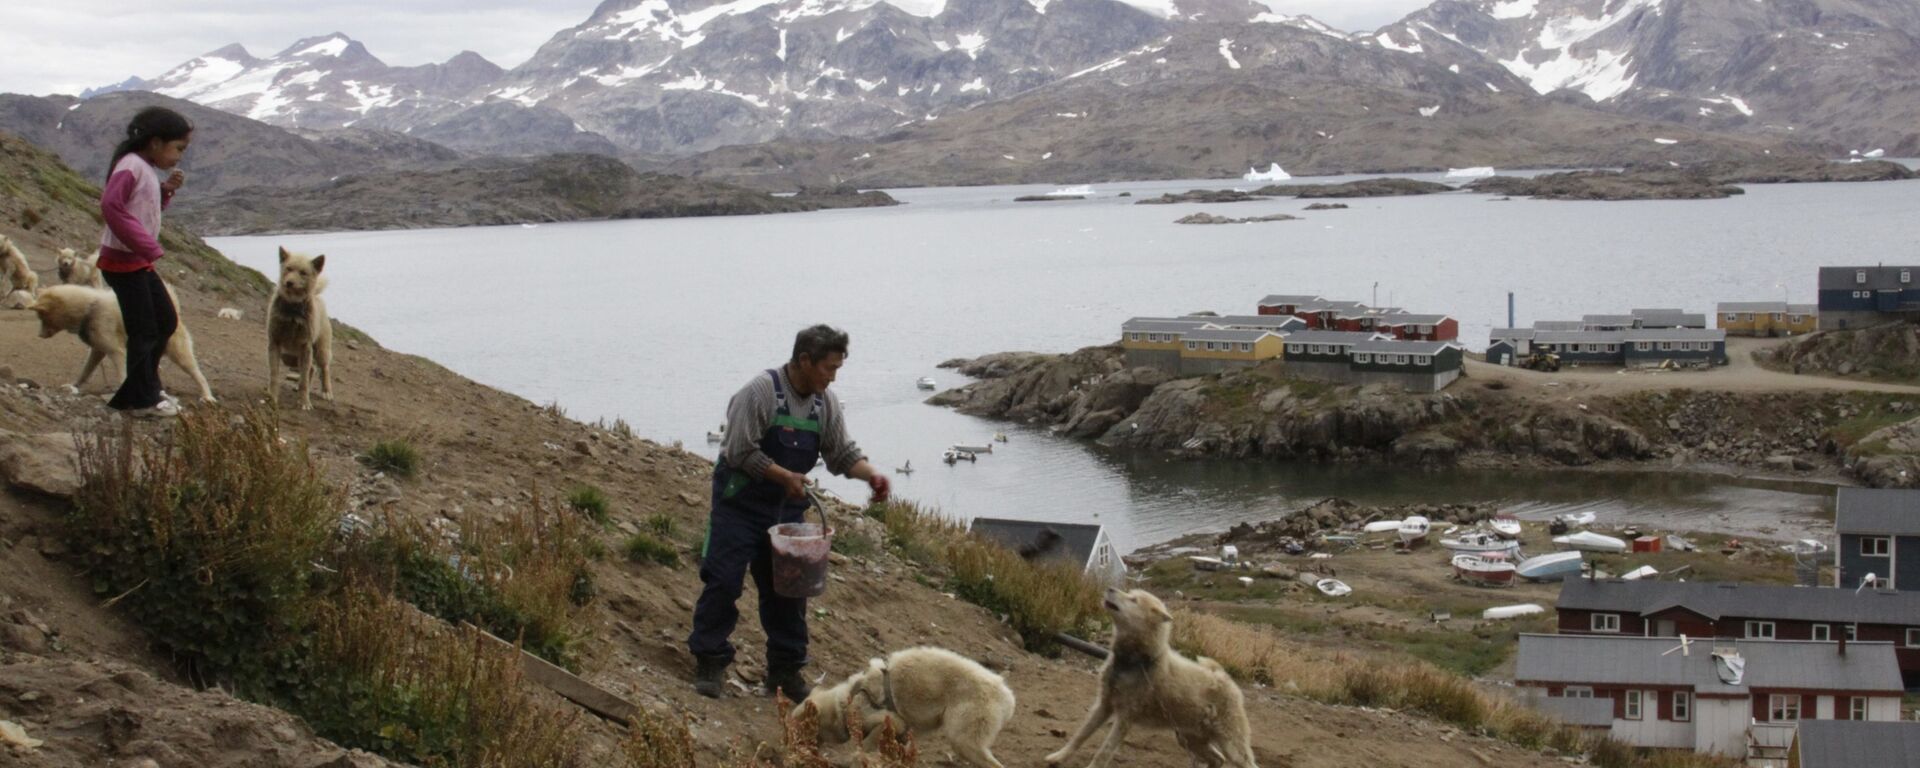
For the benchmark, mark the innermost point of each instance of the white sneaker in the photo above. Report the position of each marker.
(162, 410)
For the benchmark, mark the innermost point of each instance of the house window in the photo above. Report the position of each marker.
(1193, 345)
(1613, 347)
(1913, 637)
(1133, 337)
(1875, 546)
(1822, 632)
(1422, 359)
(1860, 276)
(1732, 317)
(1856, 708)
(1783, 707)
(1210, 346)
(1642, 346)
(1429, 329)
(1362, 357)
(1577, 692)
(1851, 632)
(1633, 705)
(1682, 706)
(1759, 630)
(1318, 349)
(1906, 276)
(1797, 319)
(1604, 622)
(1293, 349)
(1774, 317)
(1246, 346)
(1666, 346)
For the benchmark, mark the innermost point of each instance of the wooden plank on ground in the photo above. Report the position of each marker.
(593, 698)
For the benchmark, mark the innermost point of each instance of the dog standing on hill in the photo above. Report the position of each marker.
(80, 270)
(928, 690)
(1144, 682)
(298, 332)
(94, 316)
(22, 284)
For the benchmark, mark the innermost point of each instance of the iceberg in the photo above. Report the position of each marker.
(1272, 173)
(1875, 154)
(1082, 190)
(1476, 172)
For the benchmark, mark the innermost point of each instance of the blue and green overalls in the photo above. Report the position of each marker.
(744, 507)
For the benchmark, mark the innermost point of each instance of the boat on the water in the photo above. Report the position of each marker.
(1557, 566)
(952, 457)
(1414, 529)
(1486, 568)
(926, 382)
(999, 437)
(1480, 541)
(905, 469)
(1507, 526)
(1511, 611)
(1592, 542)
(964, 448)
(1333, 587)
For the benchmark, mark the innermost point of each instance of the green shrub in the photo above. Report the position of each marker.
(394, 457)
(660, 525)
(589, 501)
(643, 547)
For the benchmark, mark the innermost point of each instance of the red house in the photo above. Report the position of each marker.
(1286, 304)
(1421, 327)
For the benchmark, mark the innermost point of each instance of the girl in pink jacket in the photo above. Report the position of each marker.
(140, 184)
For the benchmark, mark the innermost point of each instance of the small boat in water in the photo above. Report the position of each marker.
(1557, 566)
(999, 437)
(1413, 529)
(1333, 587)
(1507, 526)
(1486, 568)
(716, 437)
(926, 382)
(963, 448)
(1480, 541)
(1592, 542)
(1511, 611)
(952, 457)
(905, 469)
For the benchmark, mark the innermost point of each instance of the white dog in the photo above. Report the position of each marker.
(22, 284)
(80, 270)
(298, 333)
(1144, 682)
(928, 690)
(94, 316)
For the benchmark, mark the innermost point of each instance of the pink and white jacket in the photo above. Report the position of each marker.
(131, 205)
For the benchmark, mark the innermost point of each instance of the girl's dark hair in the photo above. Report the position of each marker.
(151, 123)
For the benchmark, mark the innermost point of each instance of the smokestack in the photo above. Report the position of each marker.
(1510, 310)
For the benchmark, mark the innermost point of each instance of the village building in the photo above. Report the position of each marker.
(1285, 304)
(1412, 327)
(1766, 318)
(1742, 699)
(1155, 342)
(1275, 323)
(1510, 346)
(1086, 546)
(1218, 350)
(1745, 612)
(1855, 744)
(1659, 346)
(1325, 354)
(1857, 297)
(1620, 347)
(1667, 318)
(1879, 536)
(1415, 366)
(1558, 325)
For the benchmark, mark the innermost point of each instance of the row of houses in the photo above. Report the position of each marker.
(1766, 318)
(1622, 347)
(1321, 314)
(1199, 345)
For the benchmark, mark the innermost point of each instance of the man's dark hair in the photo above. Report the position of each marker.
(819, 341)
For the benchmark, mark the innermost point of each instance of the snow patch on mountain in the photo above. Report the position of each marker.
(1226, 52)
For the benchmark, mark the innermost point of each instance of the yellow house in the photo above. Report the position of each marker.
(1214, 350)
(1154, 342)
(1766, 318)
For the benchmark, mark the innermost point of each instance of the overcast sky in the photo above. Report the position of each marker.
(65, 46)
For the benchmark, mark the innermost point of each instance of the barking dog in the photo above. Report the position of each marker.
(298, 333)
(928, 690)
(94, 316)
(1144, 682)
(22, 284)
(80, 270)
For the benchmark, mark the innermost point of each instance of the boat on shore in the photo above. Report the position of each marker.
(1485, 568)
(1511, 611)
(1333, 587)
(1507, 526)
(1557, 566)
(1642, 572)
(1413, 529)
(1204, 563)
(1588, 541)
(1480, 541)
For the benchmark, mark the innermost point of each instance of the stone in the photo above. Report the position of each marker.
(47, 464)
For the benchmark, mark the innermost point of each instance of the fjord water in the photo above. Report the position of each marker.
(659, 321)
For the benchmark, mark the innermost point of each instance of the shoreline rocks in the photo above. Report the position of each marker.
(1208, 218)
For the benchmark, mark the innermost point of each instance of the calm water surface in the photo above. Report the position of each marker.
(658, 322)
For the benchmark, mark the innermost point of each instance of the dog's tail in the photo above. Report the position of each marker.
(319, 284)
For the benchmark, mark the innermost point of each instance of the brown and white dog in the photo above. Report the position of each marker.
(94, 316)
(80, 270)
(1144, 682)
(298, 332)
(21, 283)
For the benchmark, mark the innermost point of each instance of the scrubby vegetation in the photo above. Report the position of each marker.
(394, 457)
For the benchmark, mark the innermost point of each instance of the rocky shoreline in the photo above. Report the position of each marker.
(1261, 413)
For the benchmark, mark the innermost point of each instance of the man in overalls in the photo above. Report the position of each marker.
(778, 426)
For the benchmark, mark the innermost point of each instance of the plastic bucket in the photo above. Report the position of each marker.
(800, 558)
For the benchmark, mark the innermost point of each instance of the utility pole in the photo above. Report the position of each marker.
(1376, 293)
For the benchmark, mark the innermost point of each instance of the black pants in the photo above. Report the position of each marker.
(150, 317)
(737, 544)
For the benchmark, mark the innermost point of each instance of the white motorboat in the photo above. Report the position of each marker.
(1556, 566)
(1333, 587)
(1480, 541)
(964, 448)
(926, 382)
(999, 437)
(952, 457)
(1507, 526)
(1511, 611)
(1639, 573)
(1487, 568)
(716, 437)
(1589, 541)
(1382, 526)
(1577, 519)
(1414, 529)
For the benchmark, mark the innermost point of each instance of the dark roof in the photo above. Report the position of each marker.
(1512, 333)
(1282, 322)
(1858, 743)
(1885, 511)
(1683, 320)
(1330, 337)
(1631, 660)
(1878, 278)
(1579, 337)
(1163, 324)
(1626, 320)
(1416, 319)
(1277, 299)
(1745, 601)
(1556, 325)
(1227, 334)
(1394, 347)
(1076, 540)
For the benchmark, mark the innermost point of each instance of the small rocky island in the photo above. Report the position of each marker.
(1208, 218)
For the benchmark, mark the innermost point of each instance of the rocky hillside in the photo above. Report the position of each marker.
(1889, 352)
(491, 192)
(1263, 413)
(1827, 70)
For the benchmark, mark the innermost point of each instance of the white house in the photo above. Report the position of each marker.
(1083, 544)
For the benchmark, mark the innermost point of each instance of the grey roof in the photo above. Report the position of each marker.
(1556, 325)
(1227, 334)
(1886, 511)
(1333, 306)
(1029, 537)
(1878, 278)
(1626, 320)
(1281, 322)
(1857, 744)
(1512, 333)
(1803, 309)
(1743, 601)
(1162, 324)
(1277, 299)
(1394, 347)
(1674, 334)
(1579, 337)
(1403, 319)
(1684, 320)
(1750, 306)
(1584, 712)
(1330, 337)
(1631, 660)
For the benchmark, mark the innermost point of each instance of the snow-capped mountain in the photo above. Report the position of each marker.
(1834, 71)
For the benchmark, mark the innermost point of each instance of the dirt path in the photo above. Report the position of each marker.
(1741, 374)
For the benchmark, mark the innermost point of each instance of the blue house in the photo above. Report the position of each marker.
(1857, 297)
(1879, 533)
